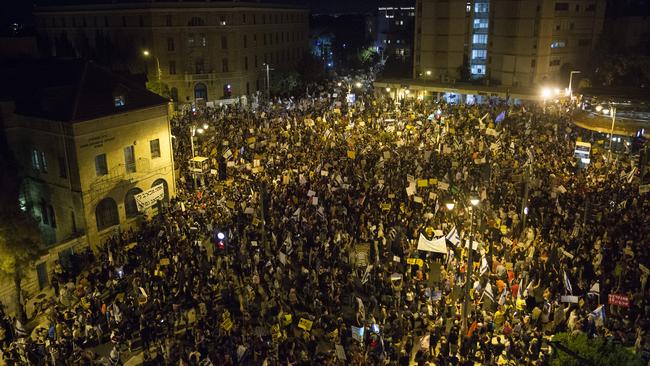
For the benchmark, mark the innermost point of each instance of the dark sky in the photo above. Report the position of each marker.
(20, 10)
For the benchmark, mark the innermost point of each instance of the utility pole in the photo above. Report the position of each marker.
(268, 80)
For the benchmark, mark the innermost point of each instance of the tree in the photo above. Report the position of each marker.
(578, 350)
(20, 241)
(159, 88)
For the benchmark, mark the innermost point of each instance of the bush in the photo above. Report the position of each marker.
(597, 351)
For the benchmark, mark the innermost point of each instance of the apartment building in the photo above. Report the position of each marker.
(519, 43)
(197, 50)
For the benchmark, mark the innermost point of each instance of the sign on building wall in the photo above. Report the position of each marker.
(149, 197)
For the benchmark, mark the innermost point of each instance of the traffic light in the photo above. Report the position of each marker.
(220, 241)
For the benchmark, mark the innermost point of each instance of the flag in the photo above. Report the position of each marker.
(599, 315)
(435, 246)
(484, 266)
(567, 283)
(502, 298)
(500, 117)
(453, 236)
(594, 290)
(488, 292)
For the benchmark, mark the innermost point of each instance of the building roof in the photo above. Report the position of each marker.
(74, 91)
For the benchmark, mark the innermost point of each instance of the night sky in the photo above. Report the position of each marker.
(19, 11)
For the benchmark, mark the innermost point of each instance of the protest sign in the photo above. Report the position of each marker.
(149, 197)
(569, 298)
(644, 188)
(415, 261)
(619, 300)
(423, 182)
(435, 246)
(305, 324)
(352, 154)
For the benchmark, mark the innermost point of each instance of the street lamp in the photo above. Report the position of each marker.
(450, 205)
(193, 131)
(571, 83)
(611, 111)
(358, 85)
(146, 53)
(474, 201)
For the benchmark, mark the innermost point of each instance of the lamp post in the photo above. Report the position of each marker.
(268, 69)
(474, 202)
(193, 131)
(571, 83)
(146, 53)
(611, 111)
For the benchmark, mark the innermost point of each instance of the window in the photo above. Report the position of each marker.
(119, 101)
(105, 21)
(141, 21)
(245, 41)
(558, 44)
(101, 168)
(246, 63)
(106, 214)
(264, 43)
(170, 44)
(577, 8)
(172, 67)
(35, 160)
(63, 171)
(533, 63)
(43, 162)
(584, 42)
(554, 63)
(130, 206)
(480, 23)
(224, 43)
(479, 54)
(154, 146)
(45, 217)
(198, 66)
(196, 22)
(51, 215)
(202, 40)
(591, 7)
(190, 40)
(561, 6)
(481, 7)
(129, 159)
(168, 20)
(479, 39)
(224, 65)
(255, 61)
(478, 70)
(123, 21)
(243, 18)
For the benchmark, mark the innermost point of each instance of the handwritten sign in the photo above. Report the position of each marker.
(305, 324)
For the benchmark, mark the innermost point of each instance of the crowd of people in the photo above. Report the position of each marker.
(300, 246)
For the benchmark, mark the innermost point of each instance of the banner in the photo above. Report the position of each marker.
(149, 197)
(569, 298)
(435, 246)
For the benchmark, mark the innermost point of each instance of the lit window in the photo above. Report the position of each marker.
(35, 160)
(480, 23)
(558, 44)
(481, 8)
(119, 101)
(478, 70)
(479, 54)
(479, 39)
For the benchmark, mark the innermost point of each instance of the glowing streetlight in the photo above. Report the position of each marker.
(450, 205)
(358, 85)
(546, 93)
(145, 53)
(428, 72)
(388, 90)
(200, 130)
(474, 201)
(599, 108)
(205, 126)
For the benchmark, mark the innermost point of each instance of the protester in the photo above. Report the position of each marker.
(322, 204)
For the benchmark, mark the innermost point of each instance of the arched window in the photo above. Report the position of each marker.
(200, 91)
(164, 183)
(106, 214)
(130, 207)
(196, 21)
